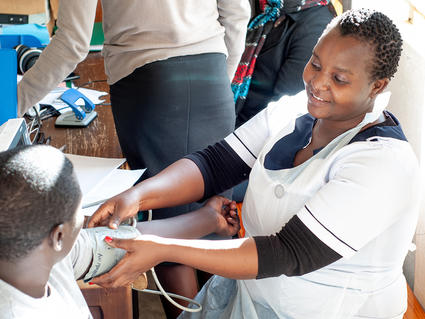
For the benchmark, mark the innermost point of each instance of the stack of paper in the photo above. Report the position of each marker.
(101, 179)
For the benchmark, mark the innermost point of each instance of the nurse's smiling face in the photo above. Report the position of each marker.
(338, 81)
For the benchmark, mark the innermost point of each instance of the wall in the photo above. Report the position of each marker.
(407, 103)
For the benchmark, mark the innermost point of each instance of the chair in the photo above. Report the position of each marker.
(108, 303)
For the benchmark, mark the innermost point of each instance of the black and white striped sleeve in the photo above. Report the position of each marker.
(221, 168)
(249, 139)
(229, 162)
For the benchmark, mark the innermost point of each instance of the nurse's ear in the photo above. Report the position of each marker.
(378, 86)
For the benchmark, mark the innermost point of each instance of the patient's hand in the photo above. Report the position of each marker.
(227, 215)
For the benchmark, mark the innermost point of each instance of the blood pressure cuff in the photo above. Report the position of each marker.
(106, 257)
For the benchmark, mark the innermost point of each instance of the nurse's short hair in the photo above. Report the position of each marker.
(38, 191)
(377, 30)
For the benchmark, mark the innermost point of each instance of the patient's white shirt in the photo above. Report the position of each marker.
(64, 298)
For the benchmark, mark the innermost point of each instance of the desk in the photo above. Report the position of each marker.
(98, 139)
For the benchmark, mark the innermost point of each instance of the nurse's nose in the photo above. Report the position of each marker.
(320, 82)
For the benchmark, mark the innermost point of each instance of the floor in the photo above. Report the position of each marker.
(150, 306)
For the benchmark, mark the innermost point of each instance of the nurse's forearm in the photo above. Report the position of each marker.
(180, 183)
(236, 258)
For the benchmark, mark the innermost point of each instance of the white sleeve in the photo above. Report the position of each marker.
(277, 118)
(234, 17)
(368, 190)
(68, 47)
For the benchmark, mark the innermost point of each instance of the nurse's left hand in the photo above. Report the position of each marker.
(142, 254)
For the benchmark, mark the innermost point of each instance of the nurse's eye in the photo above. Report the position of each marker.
(315, 65)
(340, 79)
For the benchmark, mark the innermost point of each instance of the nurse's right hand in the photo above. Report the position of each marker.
(116, 209)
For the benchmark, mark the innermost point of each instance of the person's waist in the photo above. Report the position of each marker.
(213, 44)
(120, 63)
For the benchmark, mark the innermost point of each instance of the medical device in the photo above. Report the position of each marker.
(13, 133)
(168, 295)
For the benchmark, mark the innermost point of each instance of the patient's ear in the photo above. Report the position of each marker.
(57, 237)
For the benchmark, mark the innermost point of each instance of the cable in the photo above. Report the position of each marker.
(35, 125)
(156, 292)
(168, 294)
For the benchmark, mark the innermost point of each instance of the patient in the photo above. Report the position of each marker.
(43, 251)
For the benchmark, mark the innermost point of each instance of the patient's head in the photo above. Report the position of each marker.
(39, 199)
(377, 30)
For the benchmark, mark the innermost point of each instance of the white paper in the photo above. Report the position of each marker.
(88, 211)
(91, 171)
(100, 179)
(93, 95)
(117, 182)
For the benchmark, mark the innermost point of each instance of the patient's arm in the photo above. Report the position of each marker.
(81, 255)
(218, 215)
(91, 256)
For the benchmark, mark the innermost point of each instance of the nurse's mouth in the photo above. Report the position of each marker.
(316, 99)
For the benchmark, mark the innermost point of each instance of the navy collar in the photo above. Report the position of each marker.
(282, 154)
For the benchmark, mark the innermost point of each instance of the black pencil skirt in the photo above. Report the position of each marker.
(167, 109)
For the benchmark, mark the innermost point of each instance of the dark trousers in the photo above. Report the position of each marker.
(167, 109)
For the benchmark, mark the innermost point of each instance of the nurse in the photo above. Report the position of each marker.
(332, 200)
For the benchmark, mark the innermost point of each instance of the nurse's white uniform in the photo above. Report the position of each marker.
(360, 199)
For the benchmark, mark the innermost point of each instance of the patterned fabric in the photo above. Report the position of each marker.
(258, 29)
(257, 32)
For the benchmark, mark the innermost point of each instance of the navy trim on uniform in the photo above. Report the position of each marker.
(328, 229)
(282, 154)
(389, 128)
(244, 145)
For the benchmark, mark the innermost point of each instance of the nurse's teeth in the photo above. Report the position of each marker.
(318, 98)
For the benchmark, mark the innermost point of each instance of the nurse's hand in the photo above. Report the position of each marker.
(227, 216)
(116, 210)
(142, 254)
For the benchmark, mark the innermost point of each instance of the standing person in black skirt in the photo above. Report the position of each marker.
(169, 65)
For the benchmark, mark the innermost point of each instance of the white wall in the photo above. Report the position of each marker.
(408, 104)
